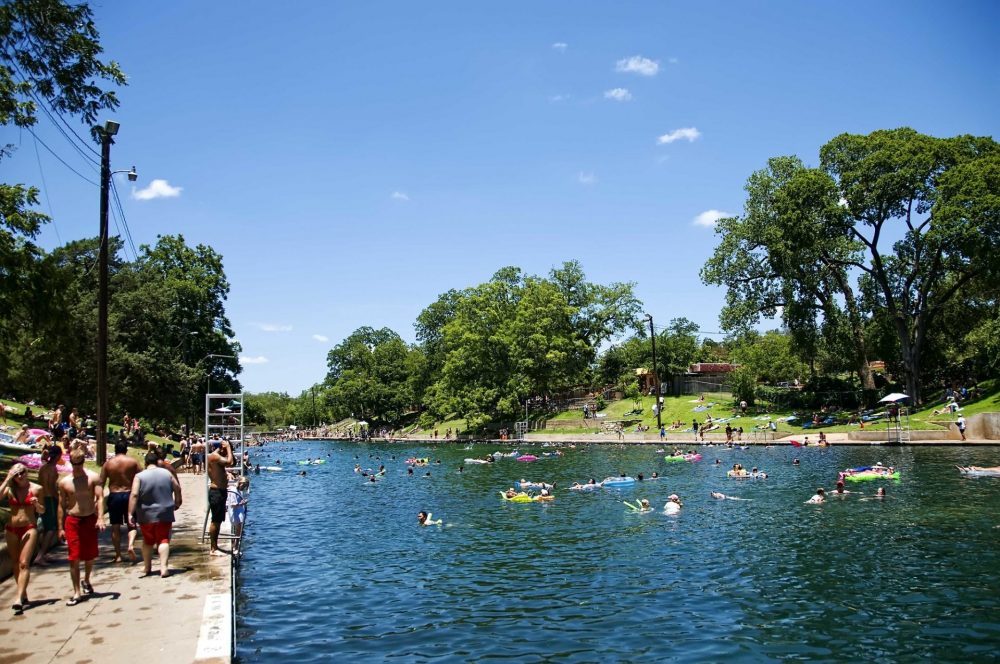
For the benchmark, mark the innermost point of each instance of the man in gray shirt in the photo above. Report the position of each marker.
(155, 495)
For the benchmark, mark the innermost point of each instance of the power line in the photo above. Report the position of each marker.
(45, 188)
(61, 160)
(93, 163)
(121, 211)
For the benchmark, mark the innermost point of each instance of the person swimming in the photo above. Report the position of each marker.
(424, 519)
(673, 504)
(820, 497)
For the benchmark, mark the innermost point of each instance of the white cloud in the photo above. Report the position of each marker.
(399, 196)
(260, 359)
(618, 94)
(156, 189)
(272, 327)
(557, 98)
(560, 46)
(586, 178)
(673, 61)
(638, 65)
(689, 134)
(320, 337)
(709, 217)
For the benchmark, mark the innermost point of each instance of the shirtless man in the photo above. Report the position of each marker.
(23, 437)
(48, 477)
(81, 513)
(219, 460)
(119, 471)
(197, 455)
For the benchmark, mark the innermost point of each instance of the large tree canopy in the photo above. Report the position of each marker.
(893, 225)
(49, 62)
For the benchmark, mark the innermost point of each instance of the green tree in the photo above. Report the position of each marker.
(915, 216)
(49, 58)
(167, 318)
(367, 376)
(790, 255)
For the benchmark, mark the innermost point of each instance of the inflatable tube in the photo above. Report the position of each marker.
(682, 457)
(272, 468)
(527, 457)
(732, 474)
(34, 462)
(519, 498)
(309, 462)
(543, 499)
(585, 487)
(868, 476)
(473, 461)
(618, 481)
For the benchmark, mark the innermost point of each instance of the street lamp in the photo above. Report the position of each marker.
(656, 376)
(208, 384)
(107, 132)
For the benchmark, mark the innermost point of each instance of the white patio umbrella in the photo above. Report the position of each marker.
(894, 397)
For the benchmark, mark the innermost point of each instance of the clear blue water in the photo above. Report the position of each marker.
(338, 570)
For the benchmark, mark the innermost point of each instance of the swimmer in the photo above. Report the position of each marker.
(718, 496)
(641, 506)
(795, 462)
(673, 505)
(840, 490)
(510, 493)
(820, 497)
(424, 519)
(302, 473)
(880, 493)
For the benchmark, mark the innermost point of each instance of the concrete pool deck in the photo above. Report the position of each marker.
(183, 618)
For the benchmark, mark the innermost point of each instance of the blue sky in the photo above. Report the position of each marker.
(352, 161)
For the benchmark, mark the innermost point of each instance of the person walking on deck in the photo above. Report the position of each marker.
(48, 477)
(20, 533)
(81, 513)
(155, 495)
(119, 471)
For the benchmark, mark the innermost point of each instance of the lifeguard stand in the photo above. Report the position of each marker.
(897, 419)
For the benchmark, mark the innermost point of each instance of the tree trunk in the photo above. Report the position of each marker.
(857, 331)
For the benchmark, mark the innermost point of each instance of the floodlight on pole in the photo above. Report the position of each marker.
(656, 376)
(107, 132)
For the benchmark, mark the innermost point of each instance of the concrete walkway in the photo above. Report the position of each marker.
(183, 618)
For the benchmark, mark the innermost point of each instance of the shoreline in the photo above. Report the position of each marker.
(632, 439)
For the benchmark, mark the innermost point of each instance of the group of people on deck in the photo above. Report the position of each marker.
(71, 507)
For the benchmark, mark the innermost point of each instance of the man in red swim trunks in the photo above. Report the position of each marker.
(81, 503)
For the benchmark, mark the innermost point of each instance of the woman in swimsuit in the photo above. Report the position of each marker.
(20, 531)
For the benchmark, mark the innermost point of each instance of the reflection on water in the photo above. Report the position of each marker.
(338, 570)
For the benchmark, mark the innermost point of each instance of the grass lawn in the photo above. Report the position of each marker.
(721, 406)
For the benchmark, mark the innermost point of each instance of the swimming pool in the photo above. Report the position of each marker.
(338, 570)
